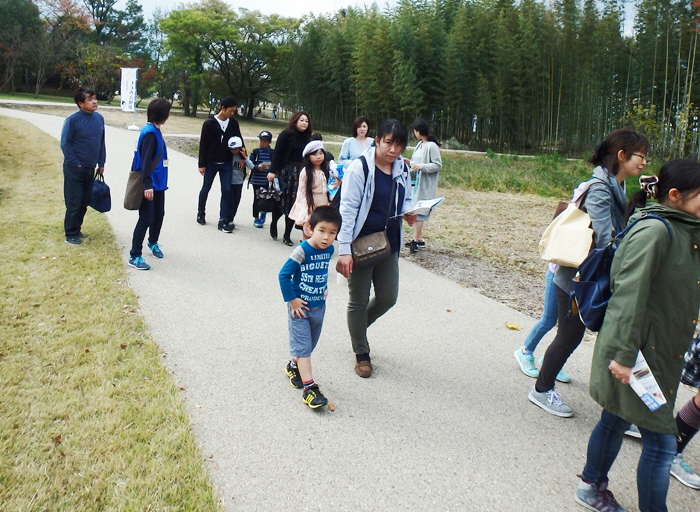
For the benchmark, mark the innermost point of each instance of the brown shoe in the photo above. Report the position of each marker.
(363, 369)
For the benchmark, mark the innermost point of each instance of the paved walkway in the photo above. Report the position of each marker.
(444, 424)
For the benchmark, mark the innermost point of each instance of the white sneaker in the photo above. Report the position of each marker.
(633, 431)
(551, 402)
(683, 473)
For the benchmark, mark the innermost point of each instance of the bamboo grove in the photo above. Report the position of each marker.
(525, 77)
(522, 77)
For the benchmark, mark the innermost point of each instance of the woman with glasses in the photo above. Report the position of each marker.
(621, 155)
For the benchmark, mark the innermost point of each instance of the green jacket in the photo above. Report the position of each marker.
(654, 308)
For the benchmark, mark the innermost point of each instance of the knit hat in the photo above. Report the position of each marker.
(235, 143)
(265, 135)
(312, 147)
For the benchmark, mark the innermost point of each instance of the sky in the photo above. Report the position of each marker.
(288, 8)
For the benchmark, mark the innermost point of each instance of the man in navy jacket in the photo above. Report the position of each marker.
(83, 145)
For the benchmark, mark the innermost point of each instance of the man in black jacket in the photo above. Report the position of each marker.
(214, 157)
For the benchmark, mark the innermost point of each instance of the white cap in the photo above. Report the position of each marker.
(235, 143)
(312, 147)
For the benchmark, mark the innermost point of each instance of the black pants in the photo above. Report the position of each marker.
(234, 201)
(570, 331)
(288, 224)
(77, 192)
(225, 171)
(151, 216)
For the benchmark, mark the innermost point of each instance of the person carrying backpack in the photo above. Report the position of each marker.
(622, 154)
(653, 309)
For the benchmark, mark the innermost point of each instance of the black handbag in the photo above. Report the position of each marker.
(101, 197)
(268, 199)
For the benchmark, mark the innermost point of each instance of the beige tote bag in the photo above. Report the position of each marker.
(568, 238)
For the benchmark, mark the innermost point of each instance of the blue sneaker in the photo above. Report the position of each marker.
(562, 376)
(138, 263)
(527, 363)
(155, 249)
(258, 223)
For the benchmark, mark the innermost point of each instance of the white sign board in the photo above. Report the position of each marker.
(128, 89)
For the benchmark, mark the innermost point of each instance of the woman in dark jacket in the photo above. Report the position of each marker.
(151, 160)
(653, 311)
(286, 163)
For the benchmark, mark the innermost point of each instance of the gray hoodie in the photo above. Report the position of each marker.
(357, 196)
(605, 202)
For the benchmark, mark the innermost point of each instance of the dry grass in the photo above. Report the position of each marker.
(501, 227)
(89, 418)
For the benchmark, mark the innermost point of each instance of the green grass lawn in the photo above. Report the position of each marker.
(90, 420)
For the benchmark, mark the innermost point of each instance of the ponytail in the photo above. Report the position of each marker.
(625, 140)
(422, 127)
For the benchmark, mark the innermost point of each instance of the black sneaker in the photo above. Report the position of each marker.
(225, 226)
(200, 219)
(314, 398)
(73, 240)
(294, 377)
(413, 247)
(82, 235)
(421, 244)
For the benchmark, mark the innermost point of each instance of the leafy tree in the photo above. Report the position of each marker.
(20, 26)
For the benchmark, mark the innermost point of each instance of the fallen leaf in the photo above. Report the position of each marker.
(449, 311)
(515, 327)
(62, 454)
(182, 388)
(16, 425)
(58, 438)
(331, 406)
(122, 346)
(87, 350)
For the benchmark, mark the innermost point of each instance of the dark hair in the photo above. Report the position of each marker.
(357, 123)
(228, 102)
(292, 124)
(317, 136)
(422, 127)
(681, 174)
(82, 94)
(158, 111)
(395, 129)
(327, 214)
(310, 177)
(625, 140)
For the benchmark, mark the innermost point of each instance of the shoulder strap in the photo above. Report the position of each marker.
(646, 215)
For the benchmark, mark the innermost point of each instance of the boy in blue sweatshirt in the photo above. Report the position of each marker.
(304, 284)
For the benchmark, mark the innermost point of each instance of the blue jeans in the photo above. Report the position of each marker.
(305, 332)
(549, 316)
(225, 172)
(653, 470)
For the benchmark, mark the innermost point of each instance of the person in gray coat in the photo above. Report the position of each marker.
(426, 163)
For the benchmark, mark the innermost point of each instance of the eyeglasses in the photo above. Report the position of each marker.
(644, 158)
